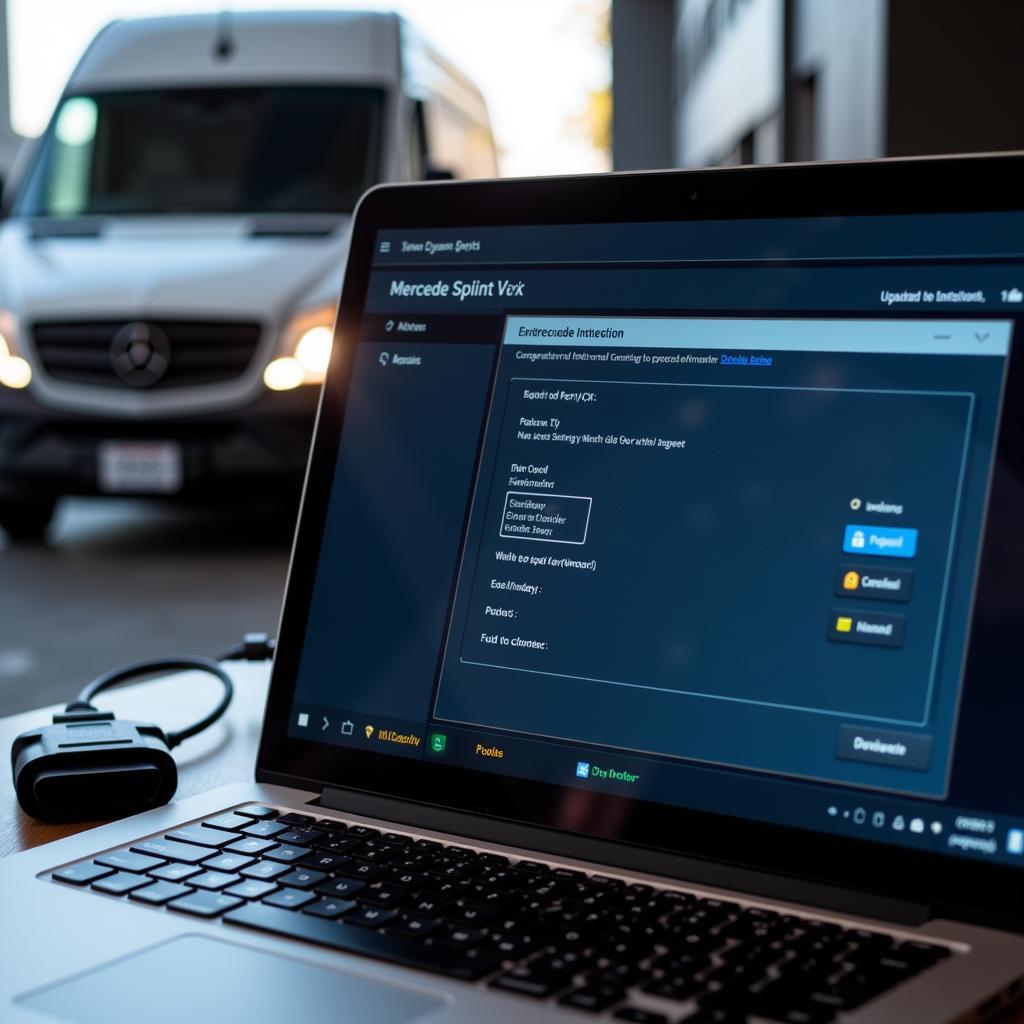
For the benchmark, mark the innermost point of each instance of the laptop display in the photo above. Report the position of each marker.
(690, 513)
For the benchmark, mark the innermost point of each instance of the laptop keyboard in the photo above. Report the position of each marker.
(590, 942)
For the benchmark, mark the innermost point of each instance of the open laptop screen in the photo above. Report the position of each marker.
(686, 512)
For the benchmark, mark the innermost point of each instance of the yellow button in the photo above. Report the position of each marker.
(844, 624)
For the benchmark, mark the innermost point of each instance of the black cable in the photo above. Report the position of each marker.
(147, 668)
(254, 647)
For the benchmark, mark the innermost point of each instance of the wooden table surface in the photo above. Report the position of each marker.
(225, 753)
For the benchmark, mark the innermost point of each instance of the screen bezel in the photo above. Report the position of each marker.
(951, 885)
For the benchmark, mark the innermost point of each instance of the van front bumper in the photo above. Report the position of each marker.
(47, 453)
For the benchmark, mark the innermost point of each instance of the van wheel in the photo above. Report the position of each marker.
(26, 519)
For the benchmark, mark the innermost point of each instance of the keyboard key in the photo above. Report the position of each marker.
(429, 906)
(512, 947)
(205, 904)
(471, 914)
(338, 844)
(567, 963)
(322, 861)
(638, 1015)
(290, 899)
(297, 819)
(258, 811)
(407, 879)
(214, 880)
(568, 874)
(229, 821)
(364, 872)
(265, 870)
(331, 909)
(301, 836)
(626, 975)
(227, 862)
(678, 989)
(342, 888)
(251, 889)
(534, 867)
(175, 872)
(170, 850)
(303, 878)
(364, 831)
(414, 926)
(159, 893)
(200, 835)
(331, 824)
(285, 854)
(125, 860)
(594, 998)
(396, 949)
(715, 1015)
(528, 981)
(371, 917)
(462, 937)
(251, 846)
(120, 883)
(82, 873)
(383, 896)
(264, 829)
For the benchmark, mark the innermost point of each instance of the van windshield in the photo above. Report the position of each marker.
(278, 149)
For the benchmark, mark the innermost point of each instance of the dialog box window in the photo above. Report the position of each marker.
(732, 541)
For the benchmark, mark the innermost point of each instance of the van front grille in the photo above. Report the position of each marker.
(145, 354)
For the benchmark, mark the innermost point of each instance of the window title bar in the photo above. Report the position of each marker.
(882, 337)
(951, 236)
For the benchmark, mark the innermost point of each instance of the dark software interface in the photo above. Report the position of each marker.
(684, 512)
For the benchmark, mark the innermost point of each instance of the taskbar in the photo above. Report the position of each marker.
(863, 814)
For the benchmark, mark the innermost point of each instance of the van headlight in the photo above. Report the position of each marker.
(15, 371)
(305, 351)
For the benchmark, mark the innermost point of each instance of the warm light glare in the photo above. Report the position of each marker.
(5, 349)
(314, 349)
(283, 374)
(14, 372)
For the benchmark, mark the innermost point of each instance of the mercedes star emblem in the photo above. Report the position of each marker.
(140, 354)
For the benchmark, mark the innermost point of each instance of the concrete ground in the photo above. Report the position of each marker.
(125, 580)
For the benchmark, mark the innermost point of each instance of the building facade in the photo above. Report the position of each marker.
(761, 81)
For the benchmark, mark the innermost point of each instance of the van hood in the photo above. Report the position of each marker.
(247, 268)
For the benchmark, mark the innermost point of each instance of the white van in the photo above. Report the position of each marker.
(173, 252)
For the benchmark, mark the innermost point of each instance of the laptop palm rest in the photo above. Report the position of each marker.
(198, 978)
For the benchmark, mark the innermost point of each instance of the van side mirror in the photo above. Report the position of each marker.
(434, 173)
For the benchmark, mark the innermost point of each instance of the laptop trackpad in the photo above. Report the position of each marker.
(195, 978)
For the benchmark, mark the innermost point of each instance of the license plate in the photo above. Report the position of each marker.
(139, 467)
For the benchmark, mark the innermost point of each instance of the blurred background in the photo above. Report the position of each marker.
(178, 182)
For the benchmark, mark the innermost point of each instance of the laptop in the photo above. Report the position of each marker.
(651, 642)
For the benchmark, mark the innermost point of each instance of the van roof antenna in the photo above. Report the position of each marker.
(224, 45)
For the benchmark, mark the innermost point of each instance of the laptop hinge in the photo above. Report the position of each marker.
(605, 854)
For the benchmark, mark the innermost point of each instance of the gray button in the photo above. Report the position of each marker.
(884, 746)
(877, 629)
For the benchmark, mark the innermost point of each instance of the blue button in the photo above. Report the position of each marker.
(880, 540)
